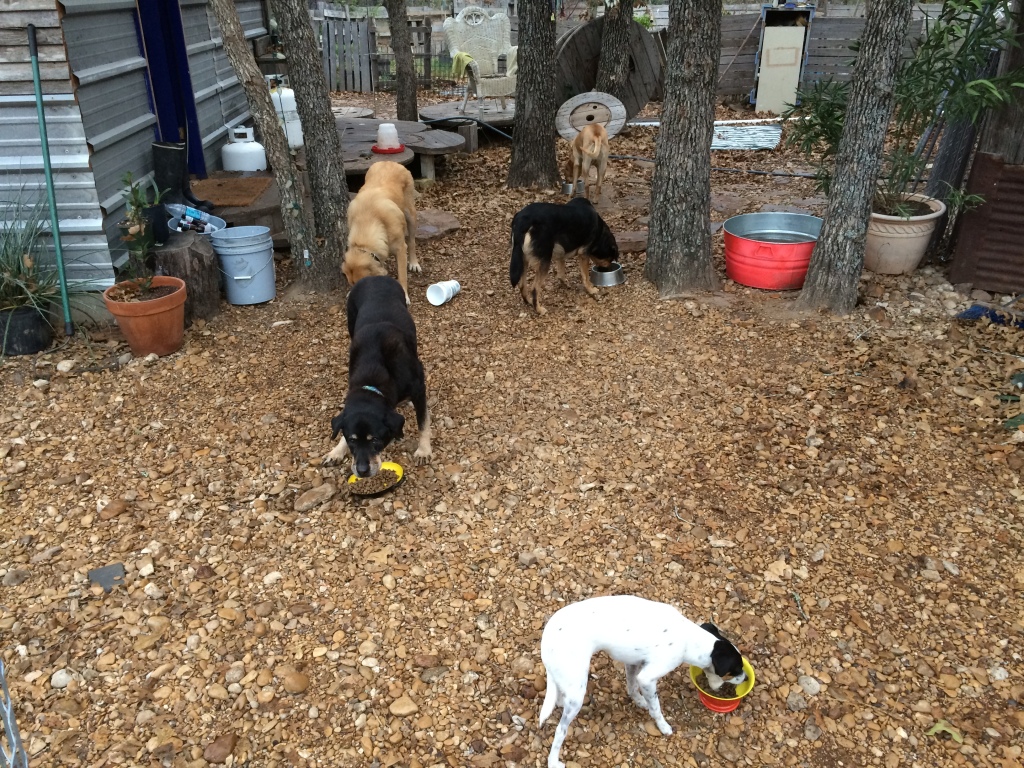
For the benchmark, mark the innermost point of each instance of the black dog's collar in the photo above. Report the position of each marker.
(375, 391)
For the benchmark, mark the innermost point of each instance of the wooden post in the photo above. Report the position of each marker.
(471, 134)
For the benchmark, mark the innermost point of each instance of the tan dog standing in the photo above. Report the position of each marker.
(589, 148)
(381, 224)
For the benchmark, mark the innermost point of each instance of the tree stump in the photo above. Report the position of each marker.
(190, 256)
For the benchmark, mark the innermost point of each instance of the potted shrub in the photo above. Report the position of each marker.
(28, 286)
(939, 81)
(149, 309)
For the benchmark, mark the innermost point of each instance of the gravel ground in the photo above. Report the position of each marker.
(839, 495)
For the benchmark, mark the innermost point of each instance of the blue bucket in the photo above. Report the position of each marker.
(246, 257)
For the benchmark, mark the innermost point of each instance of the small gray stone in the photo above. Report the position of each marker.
(125, 358)
(60, 679)
(811, 730)
(314, 497)
(527, 559)
(951, 567)
(16, 577)
(929, 575)
(729, 749)
(432, 223)
(234, 675)
(998, 673)
(433, 674)
(65, 366)
(47, 554)
(980, 295)
(796, 701)
(631, 242)
(810, 685)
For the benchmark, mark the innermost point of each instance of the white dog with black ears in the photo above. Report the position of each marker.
(650, 638)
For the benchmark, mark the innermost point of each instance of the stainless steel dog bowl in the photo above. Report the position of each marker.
(607, 277)
(568, 190)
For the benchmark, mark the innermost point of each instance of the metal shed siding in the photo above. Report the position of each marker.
(86, 252)
(112, 79)
(219, 98)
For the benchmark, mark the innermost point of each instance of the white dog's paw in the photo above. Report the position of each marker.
(556, 764)
(665, 728)
(415, 268)
(423, 455)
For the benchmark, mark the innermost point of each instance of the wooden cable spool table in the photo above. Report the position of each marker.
(358, 135)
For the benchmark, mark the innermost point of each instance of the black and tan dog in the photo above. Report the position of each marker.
(543, 233)
(384, 371)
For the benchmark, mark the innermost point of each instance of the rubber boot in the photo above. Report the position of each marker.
(170, 172)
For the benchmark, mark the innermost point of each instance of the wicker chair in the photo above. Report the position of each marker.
(483, 37)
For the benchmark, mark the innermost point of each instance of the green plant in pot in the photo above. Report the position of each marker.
(28, 285)
(939, 81)
(149, 309)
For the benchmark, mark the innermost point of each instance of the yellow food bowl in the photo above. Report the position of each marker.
(718, 703)
(396, 468)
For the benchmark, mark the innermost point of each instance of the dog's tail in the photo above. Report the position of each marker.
(594, 150)
(517, 265)
(550, 701)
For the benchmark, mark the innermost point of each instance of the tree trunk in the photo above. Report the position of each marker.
(534, 163)
(401, 44)
(613, 64)
(297, 224)
(679, 245)
(838, 258)
(321, 271)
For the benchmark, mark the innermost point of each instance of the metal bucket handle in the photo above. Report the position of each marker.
(254, 274)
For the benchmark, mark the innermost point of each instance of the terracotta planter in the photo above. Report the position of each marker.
(152, 326)
(895, 246)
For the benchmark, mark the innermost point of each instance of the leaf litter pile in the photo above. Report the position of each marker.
(840, 496)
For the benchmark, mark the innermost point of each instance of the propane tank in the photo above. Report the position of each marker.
(284, 103)
(243, 152)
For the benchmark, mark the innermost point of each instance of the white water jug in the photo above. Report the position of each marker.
(284, 104)
(243, 152)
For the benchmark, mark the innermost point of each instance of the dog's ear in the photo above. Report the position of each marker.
(395, 423)
(707, 626)
(335, 426)
(726, 659)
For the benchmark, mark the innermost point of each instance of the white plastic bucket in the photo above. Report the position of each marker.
(246, 256)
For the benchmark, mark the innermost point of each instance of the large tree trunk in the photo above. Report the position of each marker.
(613, 64)
(322, 270)
(838, 258)
(533, 140)
(297, 223)
(401, 44)
(679, 246)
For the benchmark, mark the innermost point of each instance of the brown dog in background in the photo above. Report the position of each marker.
(589, 148)
(381, 224)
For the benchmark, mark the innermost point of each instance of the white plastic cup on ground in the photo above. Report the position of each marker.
(442, 292)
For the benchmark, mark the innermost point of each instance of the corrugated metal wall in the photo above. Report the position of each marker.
(87, 256)
(112, 86)
(219, 98)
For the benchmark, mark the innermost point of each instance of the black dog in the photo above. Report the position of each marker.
(543, 233)
(384, 371)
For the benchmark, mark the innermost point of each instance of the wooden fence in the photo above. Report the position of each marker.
(352, 62)
(349, 51)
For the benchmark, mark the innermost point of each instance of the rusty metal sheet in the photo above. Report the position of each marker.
(989, 251)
